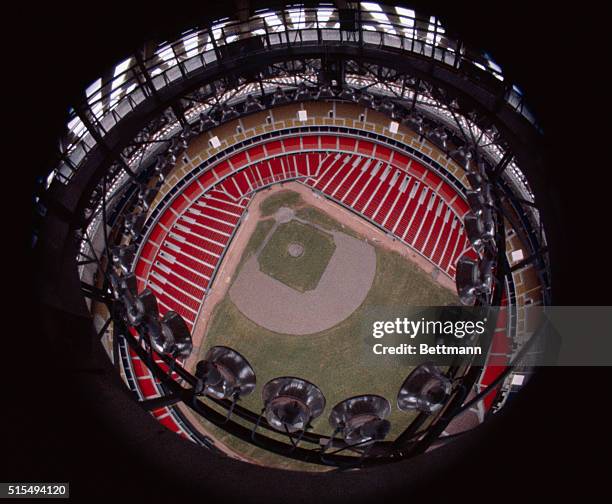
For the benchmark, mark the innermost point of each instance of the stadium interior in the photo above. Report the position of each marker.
(232, 194)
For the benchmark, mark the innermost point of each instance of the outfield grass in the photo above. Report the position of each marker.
(320, 218)
(332, 359)
(300, 273)
(285, 198)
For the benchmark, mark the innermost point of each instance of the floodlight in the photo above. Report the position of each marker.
(388, 107)
(291, 403)
(161, 163)
(215, 142)
(476, 201)
(134, 223)
(161, 343)
(122, 285)
(206, 122)
(129, 284)
(188, 132)
(393, 127)
(366, 99)
(123, 257)
(488, 225)
(170, 157)
(425, 389)
(475, 230)
(441, 134)
(493, 133)
(177, 144)
(474, 278)
(251, 104)
(224, 374)
(487, 194)
(485, 270)
(146, 195)
(467, 279)
(141, 307)
(279, 97)
(160, 167)
(463, 152)
(325, 92)
(361, 419)
(303, 93)
(348, 94)
(175, 332)
(475, 179)
(480, 228)
(416, 121)
(228, 113)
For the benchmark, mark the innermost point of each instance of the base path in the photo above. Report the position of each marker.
(344, 285)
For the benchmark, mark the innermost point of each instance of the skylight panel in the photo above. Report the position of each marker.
(298, 18)
(76, 126)
(93, 88)
(372, 7)
(191, 45)
(323, 15)
(273, 21)
(434, 26)
(405, 12)
(166, 54)
(494, 65)
(122, 67)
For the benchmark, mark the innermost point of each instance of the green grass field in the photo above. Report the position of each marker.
(300, 273)
(286, 198)
(332, 359)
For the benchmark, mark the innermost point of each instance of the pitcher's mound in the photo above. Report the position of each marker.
(295, 249)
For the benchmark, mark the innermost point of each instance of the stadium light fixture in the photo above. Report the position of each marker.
(146, 195)
(251, 104)
(290, 404)
(348, 94)
(224, 374)
(134, 223)
(467, 279)
(325, 92)
(206, 122)
(361, 420)
(303, 93)
(279, 97)
(425, 389)
(174, 331)
(474, 278)
(416, 121)
(386, 107)
(141, 307)
(122, 285)
(123, 257)
(476, 202)
(480, 228)
(228, 113)
(366, 99)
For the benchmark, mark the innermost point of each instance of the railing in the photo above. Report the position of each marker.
(108, 101)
